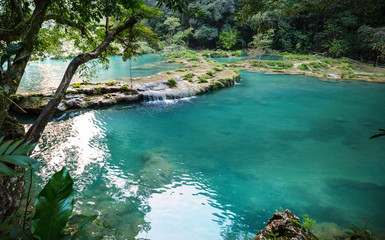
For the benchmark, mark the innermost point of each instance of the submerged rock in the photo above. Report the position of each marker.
(156, 171)
(284, 225)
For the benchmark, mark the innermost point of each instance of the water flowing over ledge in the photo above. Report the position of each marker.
(153, 88)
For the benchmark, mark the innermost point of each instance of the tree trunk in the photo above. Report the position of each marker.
(12, 188)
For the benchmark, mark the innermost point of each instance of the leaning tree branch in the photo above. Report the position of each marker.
(29, 38)
(59, 19)
(38, 127)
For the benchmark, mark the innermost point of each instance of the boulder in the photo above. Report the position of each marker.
(284, 225)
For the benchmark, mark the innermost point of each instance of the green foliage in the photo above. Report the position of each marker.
(53, 206)
(227, 39)
(125, 88)
(202, 79)
(216, 85)
(111, 83)
(307, 222)
(272, 64)
(188, 76)
(14, 152)
(171, 82)
(299, 57)
(76, 85)
(303, 67)
(261, 43)
(210, 73)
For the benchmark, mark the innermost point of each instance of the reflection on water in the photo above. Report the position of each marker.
(40, 75)
(217, 166)
(78, 143)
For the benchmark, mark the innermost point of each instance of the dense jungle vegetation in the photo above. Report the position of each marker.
(350, 28)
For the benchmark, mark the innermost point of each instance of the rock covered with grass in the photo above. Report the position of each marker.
(200, 75)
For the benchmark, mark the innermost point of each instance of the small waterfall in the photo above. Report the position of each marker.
(151, 95)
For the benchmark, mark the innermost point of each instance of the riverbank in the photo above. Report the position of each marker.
(200, 73)
(324, 68)
(195, 78)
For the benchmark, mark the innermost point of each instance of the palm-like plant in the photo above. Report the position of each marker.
(15, 153)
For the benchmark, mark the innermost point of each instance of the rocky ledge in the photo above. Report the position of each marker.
(285, 225)
(179, 84)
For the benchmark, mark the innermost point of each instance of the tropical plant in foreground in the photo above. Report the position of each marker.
(15, 153)
(53, 208)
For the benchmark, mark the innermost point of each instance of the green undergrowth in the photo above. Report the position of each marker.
(221, 53)
(313, 66)
(272, 64)
(299, 57)
(188, 76)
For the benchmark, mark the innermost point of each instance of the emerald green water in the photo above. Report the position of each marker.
(224, 161)
(48, 73)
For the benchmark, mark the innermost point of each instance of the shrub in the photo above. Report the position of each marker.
(210, 73)
(76, 85)
(168, 72)
(216, 84)
(202, 79)
(112, 83)
(171, 82)
(303, 67)
(125, 88)
(188, 76)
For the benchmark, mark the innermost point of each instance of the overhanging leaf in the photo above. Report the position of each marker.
(5, 170)
(54, 205)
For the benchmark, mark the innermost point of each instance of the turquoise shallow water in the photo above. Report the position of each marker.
(48, 73)
(218, 165)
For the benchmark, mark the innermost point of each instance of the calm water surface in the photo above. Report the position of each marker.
(48, 73)
(218, 165)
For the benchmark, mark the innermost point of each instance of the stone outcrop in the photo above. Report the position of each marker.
(284, 225)
(86, 95)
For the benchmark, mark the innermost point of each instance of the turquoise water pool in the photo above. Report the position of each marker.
(218, 165)
(48, 73)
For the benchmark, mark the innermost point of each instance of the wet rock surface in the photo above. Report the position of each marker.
(86, 95)
(284, 225)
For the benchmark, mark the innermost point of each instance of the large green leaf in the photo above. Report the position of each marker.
(54, 205)
(15, 152)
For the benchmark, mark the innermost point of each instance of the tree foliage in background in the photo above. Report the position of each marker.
(227, 39)
(261, 44)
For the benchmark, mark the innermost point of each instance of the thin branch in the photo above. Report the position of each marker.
(107, 25)
(59, 19)
(14, 103)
